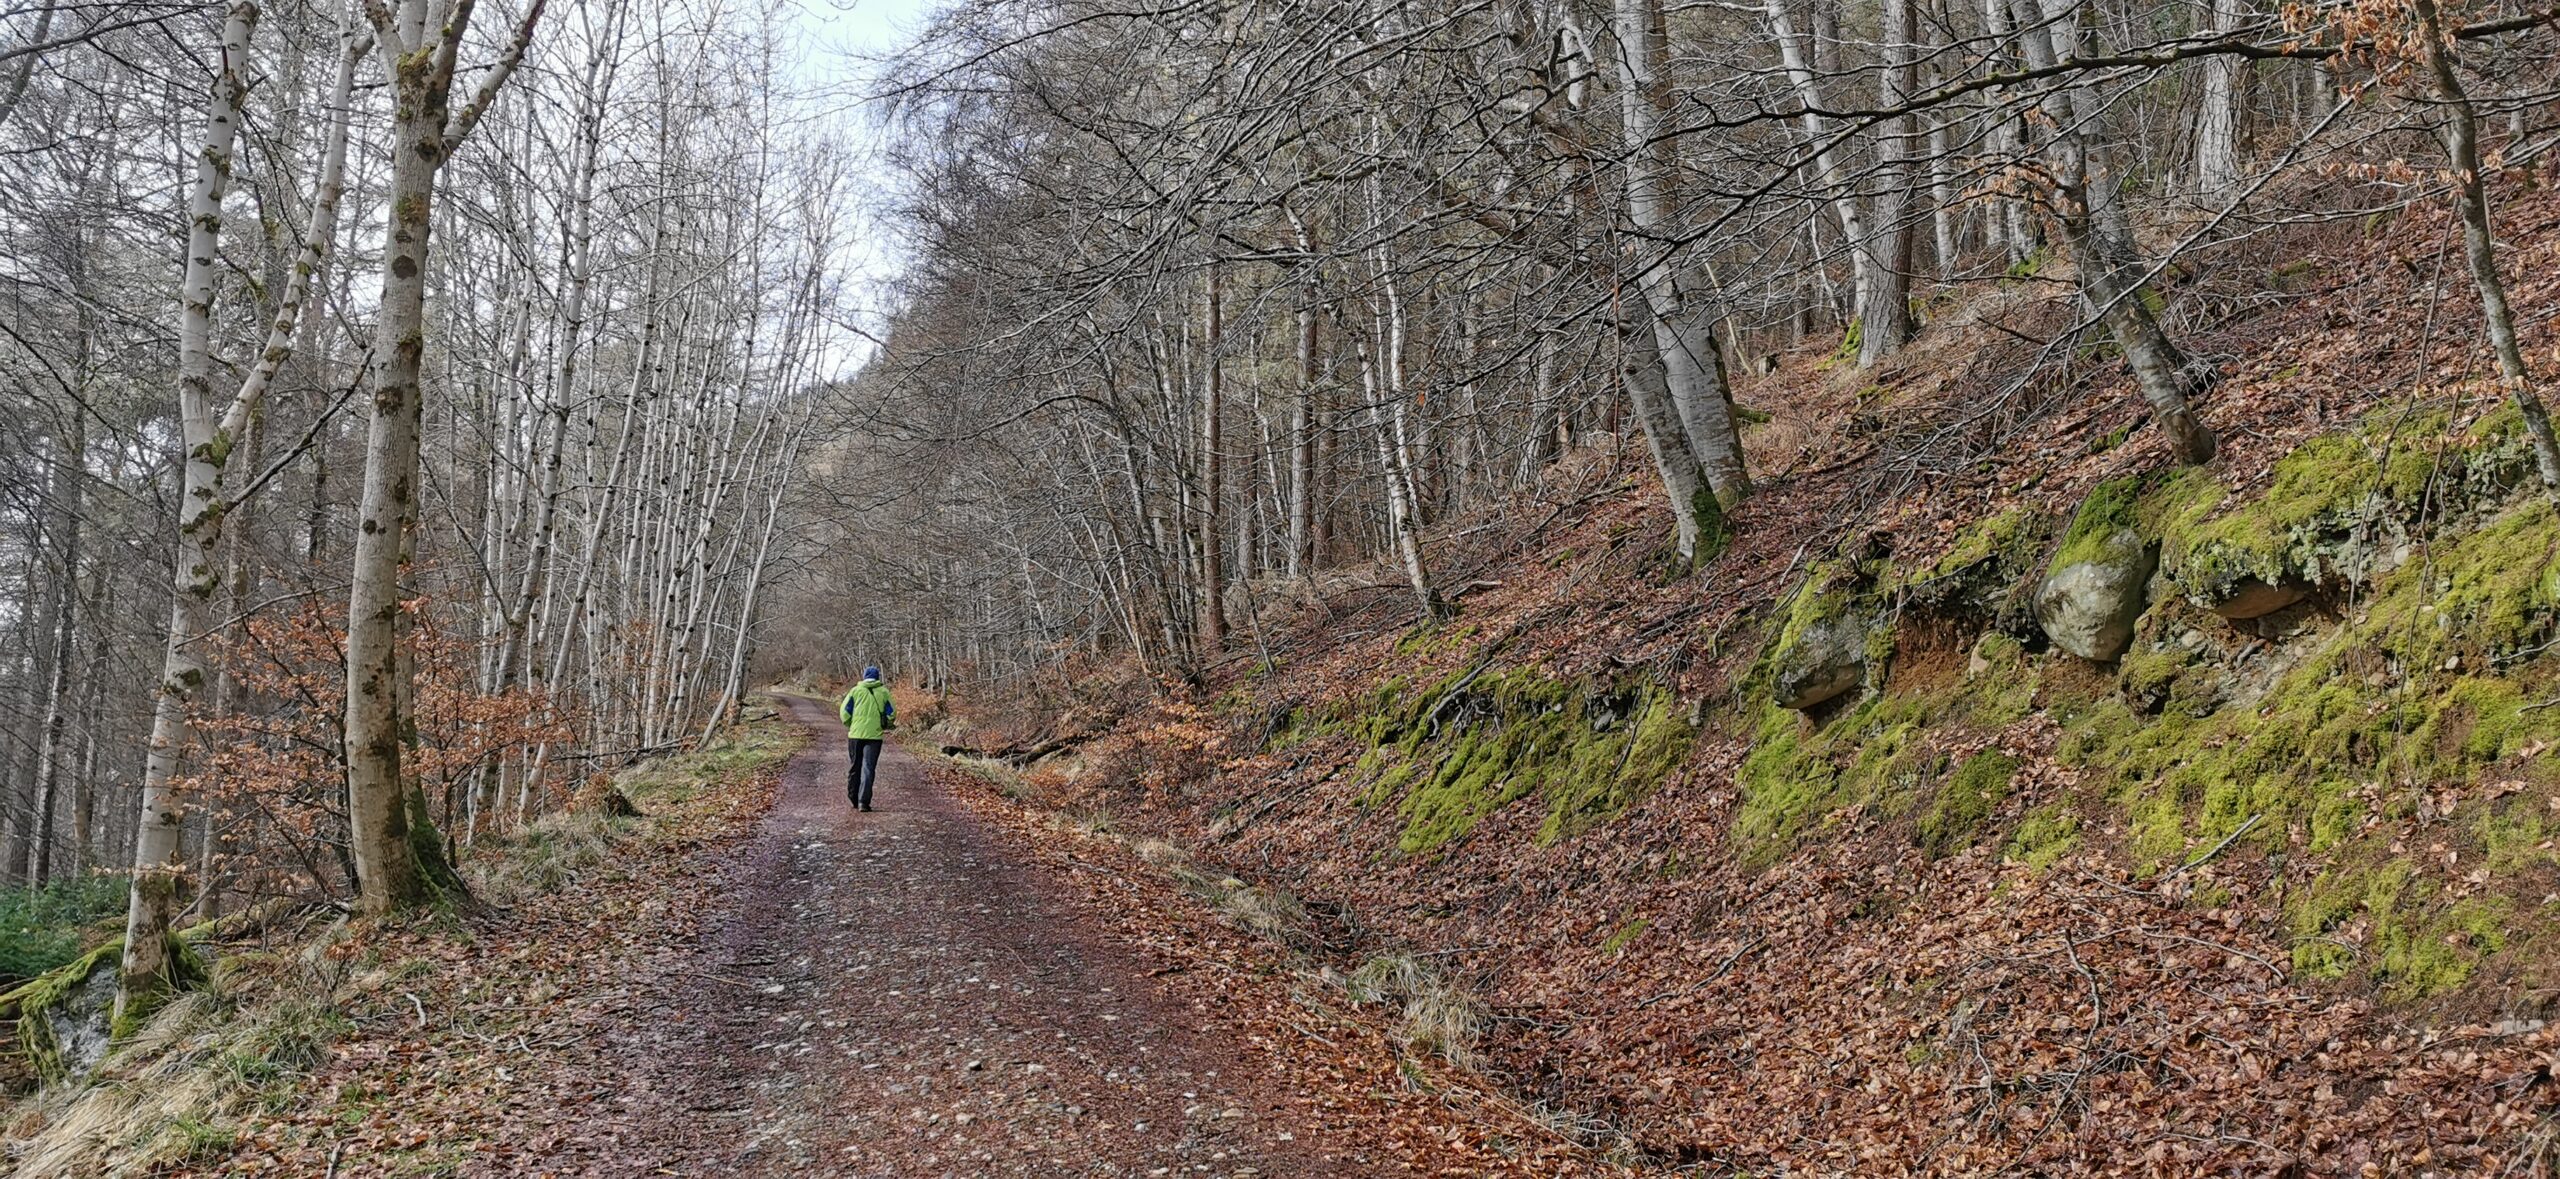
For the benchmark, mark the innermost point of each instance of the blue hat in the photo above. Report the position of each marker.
(871, 673)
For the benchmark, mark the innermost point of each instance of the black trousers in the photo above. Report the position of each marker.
(862, 759)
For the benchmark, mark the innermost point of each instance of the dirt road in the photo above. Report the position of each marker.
(888, 994)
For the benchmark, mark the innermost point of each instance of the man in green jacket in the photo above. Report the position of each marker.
(867, 713)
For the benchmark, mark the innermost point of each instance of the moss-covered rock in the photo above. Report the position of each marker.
(2094, 588)
(1823, 650)
(1451, 754)
(2339, 509)
(2432, 685)
(1827, 660)
(55, 1010)
(1987, 574)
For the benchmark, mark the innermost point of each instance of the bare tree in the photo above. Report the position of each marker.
(399, 861)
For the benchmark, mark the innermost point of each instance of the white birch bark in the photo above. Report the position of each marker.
(209, 433)
(399, 861)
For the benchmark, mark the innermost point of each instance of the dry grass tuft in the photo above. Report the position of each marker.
(1435, 1015)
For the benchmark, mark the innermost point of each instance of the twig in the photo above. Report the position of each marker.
(2227, 841)
(1719, 972)
(2234, 951)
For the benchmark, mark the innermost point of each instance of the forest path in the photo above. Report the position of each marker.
(889, 994)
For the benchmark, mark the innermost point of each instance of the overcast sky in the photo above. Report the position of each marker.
(839, 53)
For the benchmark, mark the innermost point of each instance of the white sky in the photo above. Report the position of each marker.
(860, 26)
(841, 42)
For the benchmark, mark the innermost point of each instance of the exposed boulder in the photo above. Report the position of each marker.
(1835, 639)
(1827, 658)
(1987, 574)
(2088, 606)
(2095, 586)
(2252, 598)
(2339, 510)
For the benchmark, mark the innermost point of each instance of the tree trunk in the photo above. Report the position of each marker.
(1302, 415)
(73, 484)
(1825, 171)
(2218, 111)
(1403, 527)
(1692, 361)
(1213, 582)
(150, 966)
(1696, 513)
(2091, 212)
(396, 851)
(1884, 299)
(2479, 242)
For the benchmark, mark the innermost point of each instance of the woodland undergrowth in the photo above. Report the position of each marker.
(2283, 869)
(301, 1046)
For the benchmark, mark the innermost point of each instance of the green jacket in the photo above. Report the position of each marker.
(866, 711)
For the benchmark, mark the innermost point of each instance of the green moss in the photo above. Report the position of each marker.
(2488, 595)
(186, 972)
(1464, 748)
(2148, 672)
(1470, 784)
(1965, 802)
(1714, 533)
(1626, 933)
(1435, 637)
(2405, 695)
(1988, 539)
(2396, 923)
(2336, 504)
(32, 1004)
(2096, 534)
(1592, 791)
(1389, 785)
(1797, 774)
(1824, 595)
(2004, 690)
(1987, 569)
(2512, 839)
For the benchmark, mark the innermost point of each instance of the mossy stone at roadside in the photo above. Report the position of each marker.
(1827, 660)
(1824, 649)
(2340, 509)
(2095, 586)
(1450, 754)
(1987, 573)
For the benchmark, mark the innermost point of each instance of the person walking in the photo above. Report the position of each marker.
(868, 714)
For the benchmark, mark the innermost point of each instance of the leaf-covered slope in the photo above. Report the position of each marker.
(2269, 889)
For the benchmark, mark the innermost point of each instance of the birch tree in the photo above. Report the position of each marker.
(399, 861)
(210, 428)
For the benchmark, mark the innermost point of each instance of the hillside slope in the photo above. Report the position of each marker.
(1834, 856)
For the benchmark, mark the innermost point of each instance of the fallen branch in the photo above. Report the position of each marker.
(2227, 841)
(1720, 971)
